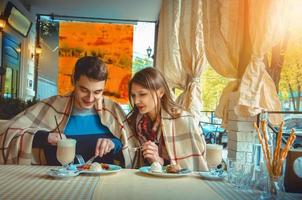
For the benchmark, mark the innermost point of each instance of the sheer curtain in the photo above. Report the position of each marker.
(237, 35)
(180, 51)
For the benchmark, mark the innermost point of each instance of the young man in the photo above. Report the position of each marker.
(97, 123)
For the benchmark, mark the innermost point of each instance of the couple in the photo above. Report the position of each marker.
(164, 132)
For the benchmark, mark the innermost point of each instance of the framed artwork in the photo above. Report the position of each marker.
(17, 20)
(113, 43)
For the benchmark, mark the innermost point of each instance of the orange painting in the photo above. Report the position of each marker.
(111, 42)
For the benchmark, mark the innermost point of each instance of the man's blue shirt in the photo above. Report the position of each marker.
(85, 125)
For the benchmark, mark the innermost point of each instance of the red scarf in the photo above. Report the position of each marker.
(147, 130)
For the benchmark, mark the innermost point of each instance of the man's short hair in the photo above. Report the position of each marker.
(92, 67)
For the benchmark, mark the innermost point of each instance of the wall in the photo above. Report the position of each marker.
(27, 48)
(241, 132)
(46, 88)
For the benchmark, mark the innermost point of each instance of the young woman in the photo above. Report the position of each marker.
(165, 132)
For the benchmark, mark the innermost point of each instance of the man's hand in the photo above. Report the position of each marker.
(103, 146)
(150, 152)
(54, 137)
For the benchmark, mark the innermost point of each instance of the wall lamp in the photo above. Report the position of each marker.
(2, 22)
(18, 49)
(149, 51)
(38, 51)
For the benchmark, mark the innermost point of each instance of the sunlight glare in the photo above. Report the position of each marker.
(295, 16)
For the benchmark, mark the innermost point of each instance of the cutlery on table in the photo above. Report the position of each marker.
(135, 148)
(88, 162)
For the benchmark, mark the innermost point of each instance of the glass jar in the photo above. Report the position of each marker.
(274, 188)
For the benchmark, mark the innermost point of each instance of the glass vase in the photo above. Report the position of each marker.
(274, 188)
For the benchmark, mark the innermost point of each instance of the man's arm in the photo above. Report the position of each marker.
(106, 145)
(40, 139)
(117, 145)
(44, 138)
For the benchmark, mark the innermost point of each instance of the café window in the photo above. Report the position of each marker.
(11, 63)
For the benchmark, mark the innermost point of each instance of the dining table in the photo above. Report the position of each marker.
(33, 182)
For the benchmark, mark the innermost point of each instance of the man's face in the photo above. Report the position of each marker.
(88, 92)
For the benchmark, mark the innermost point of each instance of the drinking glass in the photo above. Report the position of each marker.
(247, 177)
(260, 172)
(231, 171)
(270, 187)
(214, 157)
(66, 152)
(235, 172)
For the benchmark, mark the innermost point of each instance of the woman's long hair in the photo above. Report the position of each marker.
(151, 79)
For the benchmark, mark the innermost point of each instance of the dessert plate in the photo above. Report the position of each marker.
(212, 176)
(111, 169)
(59, 174)
(147, 170)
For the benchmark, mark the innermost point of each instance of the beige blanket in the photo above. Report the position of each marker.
(17, 135)
(182, 135)
(183, 141)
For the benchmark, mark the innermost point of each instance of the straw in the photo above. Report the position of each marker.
(58, 127)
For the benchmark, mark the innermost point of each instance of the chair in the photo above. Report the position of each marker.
(209, 133)
(213, 133)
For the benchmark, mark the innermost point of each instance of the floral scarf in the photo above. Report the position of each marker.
(148, 130)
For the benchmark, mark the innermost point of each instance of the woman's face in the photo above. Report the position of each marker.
(145, 100)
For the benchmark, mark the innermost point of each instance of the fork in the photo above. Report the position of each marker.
(135, 148)
(80, 159)
(90, 160)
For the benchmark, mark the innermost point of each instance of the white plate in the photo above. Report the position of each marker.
(211, 176)
(147, 170)
(58, 174)
(112, 169)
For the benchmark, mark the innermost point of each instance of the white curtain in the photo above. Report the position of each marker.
(180, 51)
(238, 33)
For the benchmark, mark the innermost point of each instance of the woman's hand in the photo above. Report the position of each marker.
(150, 152)
(54, 137)
(103, 146)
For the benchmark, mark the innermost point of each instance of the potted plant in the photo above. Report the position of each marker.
(10, 107)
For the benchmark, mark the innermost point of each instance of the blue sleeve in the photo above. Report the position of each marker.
(117, 145)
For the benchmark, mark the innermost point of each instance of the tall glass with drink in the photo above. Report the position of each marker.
(214, 155)
(66, 151)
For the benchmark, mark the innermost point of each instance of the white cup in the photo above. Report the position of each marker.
(214, 155)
